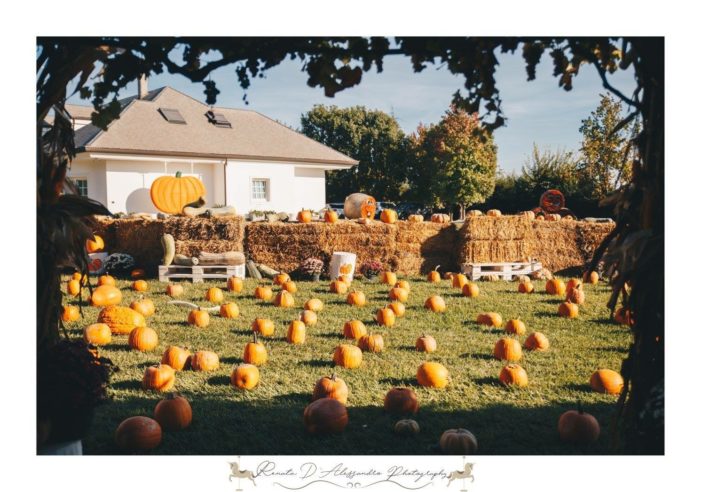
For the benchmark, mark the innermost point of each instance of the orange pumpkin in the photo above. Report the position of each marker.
(338, 287)
(263, 326)
(435, 304)
(371, 343)
(356, 298)
(170, 194)
(234, 284)
(434, 277)
(143, 339)
(606, 381)
(314, 305)
(308, 317)
(537, 341)
(264, 293)
(398, 294)
(281, 278)
(555, 287)
(401, 400)
(140, 285)
(95, 244)
(568, 310)
(459, 280)
(591, 278)
(426, 343)
(137, 273)
(289, 286)
(389, 278)
(576, 295)
(388, 216)
(254, 352)
(296, 332)
(346, 279)
(284, 299)
(174, 290)
(97, 334)
(458, 441)
(198, 318)
(398, 308)
(623, 316)
(121, 320)
(176, 357)
(403, 284)
(490, 319)
(415, 218)
(348, 356)
(470, 289)
(105, 295)
(70, 313)
(330, 216)
(331, 387)
(573, 283)
(214, 295)
(385, 317)
(578, 427)
(508, 349)
(143, 306)
(73, 287)
(304, 216)
(160, 377)
(229, 310)
(325, 416)
(513, 375)
(515, 327)
(440, 218)
(204, 360)
(432, 375)
(174, 413)
(354, 329)
(245, 376)
(138, 434)
(526, 287)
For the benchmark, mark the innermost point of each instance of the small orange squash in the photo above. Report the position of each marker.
(229, 310)
(470, 289)
(592, 278)
(432, 375)
(515, 327)
(459, 280)
(331, 387)
(325, 416)
(73, 287)
(356, 298)
(537, 341)
(121, 320)
(426, 343)
(204, 360)
(214, 295)
(308, 317)
(385, 317)
(388, 216)
(555, 287)
(304, 216)
(434, 277)
(281, 278)
(106, 280)
(508, 349)
(143, 339)
(174, 413)
(330, 216)
(176, 357)
(296, 332)
(174, 290)
(398, 308)
(606, 381)
(234, 284)
(389, 278)
(354, 329)
(490, 319)
(314, 305)
(245, 376)
(97, 334)
(578, 427)
(284, 299)
(198, 318)
(106, 295)
(398, 294)
(401, 401)
(70, 313)
(143, 306)
(289, 286)
(338, 287)
(139, 285)
(458, 441)
(265, 327)
(526, 287)
(138, 434)
(371, 343)
(513, 375)
(264, 293)
(94, 245)
(568, 310)
(254, 352)
(348, 356)
(435, 304)
(160, 377)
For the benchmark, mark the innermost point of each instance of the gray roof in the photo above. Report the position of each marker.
(141, 129)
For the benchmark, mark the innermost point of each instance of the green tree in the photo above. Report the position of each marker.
(546, 169)
(372, 137)
(607, 154)
(455, 161)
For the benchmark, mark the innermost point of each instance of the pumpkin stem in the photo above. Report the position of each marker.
(435, 269)
(255, 337)
(579, 407)
(178, 174)
(333, 376)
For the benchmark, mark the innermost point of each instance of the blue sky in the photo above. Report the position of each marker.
(538, 111)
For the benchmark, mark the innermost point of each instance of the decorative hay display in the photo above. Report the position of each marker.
(485, 239)
(563, 244)
(421, 246)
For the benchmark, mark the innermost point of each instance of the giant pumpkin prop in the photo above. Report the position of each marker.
(552, 201)
(359, 206)
(170, 194)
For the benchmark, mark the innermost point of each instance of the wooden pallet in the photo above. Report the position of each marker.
(505, 271)
(200, 273)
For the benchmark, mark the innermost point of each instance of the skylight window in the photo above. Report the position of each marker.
(218, 119)
(172, 116)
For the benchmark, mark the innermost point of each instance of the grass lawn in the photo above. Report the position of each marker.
(268, 419)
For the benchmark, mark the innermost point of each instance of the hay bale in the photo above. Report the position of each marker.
(195, 247)
(198, 228)
(140, 238)
(504, 228)
(424, 245)
(103, 226)
(283, 246)
(374, 241)
(485, 251)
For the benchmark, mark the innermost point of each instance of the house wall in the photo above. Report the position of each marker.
(94, 171)
(291, 186)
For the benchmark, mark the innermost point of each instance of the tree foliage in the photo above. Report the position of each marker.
(455, 161)
(606, 152)
(372, 137)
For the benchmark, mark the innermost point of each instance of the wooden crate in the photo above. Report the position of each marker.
(506, 271)
(200, 273)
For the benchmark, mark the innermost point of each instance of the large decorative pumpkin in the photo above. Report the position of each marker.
(174, 413)
(245, 376)
(426, 343)
(254, 352)
(314, 305)
(95, 244)
(359, 206)
(296, 332)
(401, 401)
(552, 201)
(176, 357)
(160, 377)
(508, 349)
(331, 387)
(106, 295)
(121, 320)
(371, 343)
(325, 416)
(97, 334)
(138, 434)
(606, 381)
(432, 375)
(170, 194)
(578, 427)
(513, 375)
(204, 360)
(354, 329)
(348, 356)
(458, 441)
(143, 339)
(537, 341)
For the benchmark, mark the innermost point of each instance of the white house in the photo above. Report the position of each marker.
(244, 158)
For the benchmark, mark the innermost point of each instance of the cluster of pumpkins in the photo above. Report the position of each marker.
(573, 291)
(327, 412)
(387, 216)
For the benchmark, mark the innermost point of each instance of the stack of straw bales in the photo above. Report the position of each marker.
(565, 244)
(421, 246)
(484, 239)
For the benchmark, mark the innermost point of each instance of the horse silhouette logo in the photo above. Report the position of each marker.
(236, 472)
(463, 474)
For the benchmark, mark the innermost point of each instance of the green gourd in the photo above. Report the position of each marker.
(168, 244)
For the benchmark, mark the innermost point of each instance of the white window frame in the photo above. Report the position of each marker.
(266, 182)
(81, 178)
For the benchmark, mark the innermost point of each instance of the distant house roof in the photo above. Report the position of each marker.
(143, 129)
